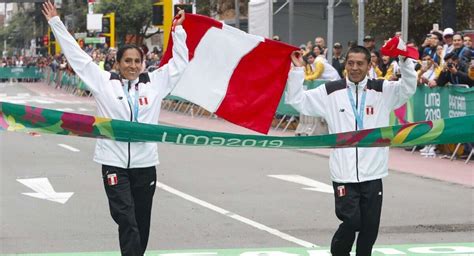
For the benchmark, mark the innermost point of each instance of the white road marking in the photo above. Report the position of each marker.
(85, 109)
(65, 109)
(236, 216)
(3, 95)
(44, 190)
(69, 147)
(23, 95)
(313, 184)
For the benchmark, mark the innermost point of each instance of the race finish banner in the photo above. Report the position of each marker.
(21, 118)
(20, 72)
(442, 102)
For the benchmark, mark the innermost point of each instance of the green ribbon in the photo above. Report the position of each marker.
(20, 118)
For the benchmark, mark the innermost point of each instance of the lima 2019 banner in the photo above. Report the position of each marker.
(21, 118)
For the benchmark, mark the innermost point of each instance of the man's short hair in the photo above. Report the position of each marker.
(451, 56)
(368, 38)
(359, 49)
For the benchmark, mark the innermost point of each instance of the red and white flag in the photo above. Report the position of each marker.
(112, 179)
(238, 76)
(143, 100)
(369, 110)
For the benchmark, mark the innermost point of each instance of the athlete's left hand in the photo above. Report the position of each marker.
(179, 18)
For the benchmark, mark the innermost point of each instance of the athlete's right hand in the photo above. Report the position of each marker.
(49, 10)
(297, 58)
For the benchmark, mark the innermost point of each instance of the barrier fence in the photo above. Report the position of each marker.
(21, 73)
(442, 102)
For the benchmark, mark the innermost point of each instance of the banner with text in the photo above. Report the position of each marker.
(20, 118)
(20, 72)
(442, 102)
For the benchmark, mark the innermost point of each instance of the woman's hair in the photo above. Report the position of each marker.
(126, 47)
(306, 56)
(311, 54)
(321, 51)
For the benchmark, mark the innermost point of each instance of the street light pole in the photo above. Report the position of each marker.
(330, 29)
(270, 21)
(5, 24)
(405, 20)
(237, 14)
(361, 21)
(291, 17)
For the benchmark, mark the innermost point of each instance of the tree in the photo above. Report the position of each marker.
(132, 17)
(383, 18)
(29, 23)
(19, 32)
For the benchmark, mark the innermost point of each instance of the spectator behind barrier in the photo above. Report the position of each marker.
(310, 67)
(369, 43)
(463, 53)
(375, 62)
(322, 68)
(454, 72)
(319, 41)
(338, 58)
(429, 70)
(468, 43)
(448, 40)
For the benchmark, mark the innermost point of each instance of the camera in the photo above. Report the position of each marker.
(450, 65)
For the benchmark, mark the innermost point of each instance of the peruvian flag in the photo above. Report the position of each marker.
(238, 76)
(143, 100)
(112, 179)
(369, 110)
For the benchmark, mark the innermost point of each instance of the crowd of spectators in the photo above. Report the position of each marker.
(445, 58)
(103, 56)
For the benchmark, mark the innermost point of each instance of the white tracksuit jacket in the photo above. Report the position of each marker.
(331, 101)
(112, 102)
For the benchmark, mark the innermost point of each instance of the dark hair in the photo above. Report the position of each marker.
(306, 56)
(425, 54)
(438, 35)
(459, 34)
(359, 49)
(126, 47)
(321, 50)
(451, 56)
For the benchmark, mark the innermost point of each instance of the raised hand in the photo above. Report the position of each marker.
(49, 10)
(179, 18)
(297, 58)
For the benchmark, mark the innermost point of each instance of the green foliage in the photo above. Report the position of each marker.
(131, 16)
(78, 10)
(19, 31)
(383, 18)
(203, 7)
(28, 24)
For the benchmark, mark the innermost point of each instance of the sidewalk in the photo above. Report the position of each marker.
(400, 160)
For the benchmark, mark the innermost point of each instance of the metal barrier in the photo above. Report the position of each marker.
(21, 73)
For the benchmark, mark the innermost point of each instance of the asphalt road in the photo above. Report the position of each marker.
(208, 198)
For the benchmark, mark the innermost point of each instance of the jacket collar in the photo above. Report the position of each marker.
(133, 82)
(361, 84)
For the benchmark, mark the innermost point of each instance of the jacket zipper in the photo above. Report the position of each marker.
(357, 149)
(131, 120)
